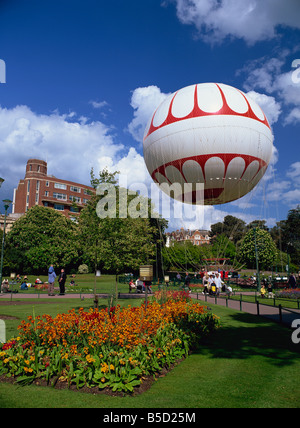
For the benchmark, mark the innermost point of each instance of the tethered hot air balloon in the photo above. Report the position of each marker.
(212, 134)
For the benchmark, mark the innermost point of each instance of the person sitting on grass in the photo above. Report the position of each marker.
(24, 285)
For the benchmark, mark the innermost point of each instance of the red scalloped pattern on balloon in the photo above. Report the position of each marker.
(197, 112)
(210, 193)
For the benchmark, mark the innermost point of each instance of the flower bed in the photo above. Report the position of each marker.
(289, 293)
(109, 349)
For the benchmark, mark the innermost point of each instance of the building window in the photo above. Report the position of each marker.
(60, 186)
(36, 198)
(86, 191)
(60, 196)
(37, 185)
(30, 167)
(59, 207)
(28, 186)
(46, 204)
(75, 199)
(47, 183)
(85, 201)
(38, 168)
(75, 189)
(74, 209)
(46, 193)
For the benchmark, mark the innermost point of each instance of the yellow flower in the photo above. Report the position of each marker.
(2, 353)
(6, 360)
(90, 359)
(104, 368)
(112, 367)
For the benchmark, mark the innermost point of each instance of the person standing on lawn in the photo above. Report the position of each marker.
(61, 281)
(292, 281)
(51, 279)
(218, 282)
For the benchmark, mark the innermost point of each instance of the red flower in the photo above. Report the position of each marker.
(8, 345)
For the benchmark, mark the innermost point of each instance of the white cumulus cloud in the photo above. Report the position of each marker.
(251, 20)
(71, 147)
(144, 101)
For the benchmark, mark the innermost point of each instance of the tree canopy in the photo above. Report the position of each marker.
(112, 238)
(41, 237)
(232, 227)
(260, 240)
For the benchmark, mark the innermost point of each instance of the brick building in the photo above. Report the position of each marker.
(196, 237)
(39, 188)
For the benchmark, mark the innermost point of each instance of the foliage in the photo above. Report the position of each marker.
(115, 244)
(181, 256)
(266, 249)
(41, 237)
(223, 247)
(121, 241)
(286, 235)
(104, 177)
(83, 268)
(114, 348)
(232, 227)
(8, 266)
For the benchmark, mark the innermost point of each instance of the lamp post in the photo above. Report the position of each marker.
(7, 203)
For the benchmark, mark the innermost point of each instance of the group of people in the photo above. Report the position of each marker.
(213, 284)
(51, 280)
(140, 286)
(61, 281)
(267, 291)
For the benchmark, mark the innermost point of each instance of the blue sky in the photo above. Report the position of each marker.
(83, 78)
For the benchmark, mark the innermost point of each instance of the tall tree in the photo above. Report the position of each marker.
(232, 227)
(41, 237)
(116, 228)
(291, 235)
(265, 246)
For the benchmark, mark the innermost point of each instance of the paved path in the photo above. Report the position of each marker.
(267, 311)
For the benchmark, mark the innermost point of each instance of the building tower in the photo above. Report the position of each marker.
(39, 188)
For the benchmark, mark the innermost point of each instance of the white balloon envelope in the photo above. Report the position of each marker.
(212, 134)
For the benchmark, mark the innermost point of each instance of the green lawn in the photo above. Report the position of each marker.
(84, 283)
(286, 303)
(250, 362)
